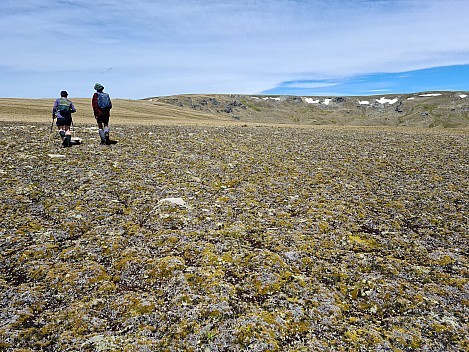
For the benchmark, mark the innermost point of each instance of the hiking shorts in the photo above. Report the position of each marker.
(63, 121)
(102, 119)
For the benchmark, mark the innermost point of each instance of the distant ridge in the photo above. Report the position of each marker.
(423, 109)
(442, 109)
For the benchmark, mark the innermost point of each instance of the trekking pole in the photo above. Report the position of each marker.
(52, 125)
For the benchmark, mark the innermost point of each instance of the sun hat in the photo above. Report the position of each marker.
(64, 93)
(98, 86)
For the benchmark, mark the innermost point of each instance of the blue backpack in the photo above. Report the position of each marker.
(104, 101)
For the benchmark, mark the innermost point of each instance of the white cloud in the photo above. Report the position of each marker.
(168, 47)
(308, 85)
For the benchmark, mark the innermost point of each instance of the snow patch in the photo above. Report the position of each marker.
(267, 98)
(462, 96)
(317, 101)
(383, 100)
(412, 98)
(364, 102)
(430, 95)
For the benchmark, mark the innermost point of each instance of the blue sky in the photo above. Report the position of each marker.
(144, 48)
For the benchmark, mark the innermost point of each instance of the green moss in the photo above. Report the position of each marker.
(362, 243)
(445, 260)
(363, 338)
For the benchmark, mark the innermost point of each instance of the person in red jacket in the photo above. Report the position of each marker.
(102, 106)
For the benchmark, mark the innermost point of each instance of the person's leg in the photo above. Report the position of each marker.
(105, 121)
(61, 128)
(101, 132)
(106, 133)
(68, 136)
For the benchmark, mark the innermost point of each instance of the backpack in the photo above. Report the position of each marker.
(104, 102)
(64, 106)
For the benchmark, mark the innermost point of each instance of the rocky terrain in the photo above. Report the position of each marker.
(235, 238)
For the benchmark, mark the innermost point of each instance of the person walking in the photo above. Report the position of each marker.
(102, 106)
(63, 110)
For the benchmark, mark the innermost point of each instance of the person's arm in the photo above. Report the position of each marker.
(72, 108)
(94, 103)
(54, 109)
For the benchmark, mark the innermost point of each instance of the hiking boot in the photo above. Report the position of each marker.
(106, 137)
(67, 141)
(62, 134)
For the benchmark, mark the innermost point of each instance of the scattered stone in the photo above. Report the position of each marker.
(176, 201)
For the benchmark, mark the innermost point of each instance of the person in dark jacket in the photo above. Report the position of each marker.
(102, 114)
(63, 110)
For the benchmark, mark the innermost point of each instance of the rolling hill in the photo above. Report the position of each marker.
(426, 109)
(436, 109)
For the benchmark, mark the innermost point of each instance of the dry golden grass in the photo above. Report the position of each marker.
(124, 112)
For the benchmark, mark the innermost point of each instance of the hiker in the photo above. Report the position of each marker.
(102, 106)
(63, 110)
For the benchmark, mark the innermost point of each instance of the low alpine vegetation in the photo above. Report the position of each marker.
(234, 238)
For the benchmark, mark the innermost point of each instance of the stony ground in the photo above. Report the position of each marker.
(234, 239)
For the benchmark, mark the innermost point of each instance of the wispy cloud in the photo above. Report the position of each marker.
(167, 47)
(437, 79)
(308, 84)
